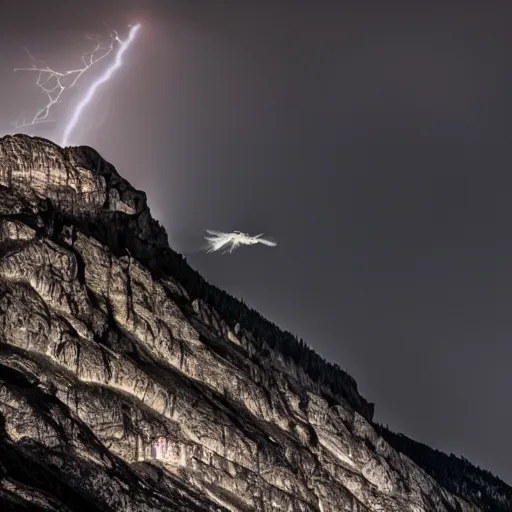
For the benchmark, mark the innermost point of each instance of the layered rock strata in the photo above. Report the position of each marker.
(119, 391)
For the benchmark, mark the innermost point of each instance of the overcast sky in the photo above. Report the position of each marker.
(371, 142)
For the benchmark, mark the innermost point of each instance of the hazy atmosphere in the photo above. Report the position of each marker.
(371, 142)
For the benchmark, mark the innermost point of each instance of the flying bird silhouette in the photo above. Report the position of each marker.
(231, 241)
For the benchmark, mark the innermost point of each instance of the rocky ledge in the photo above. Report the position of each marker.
(122, 390)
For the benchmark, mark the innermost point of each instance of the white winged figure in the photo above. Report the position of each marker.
(231, 241)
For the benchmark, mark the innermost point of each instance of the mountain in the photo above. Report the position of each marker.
(128, 383)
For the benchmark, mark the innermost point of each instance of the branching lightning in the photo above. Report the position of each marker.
(53, 83)
(231, 241)
(102, 79)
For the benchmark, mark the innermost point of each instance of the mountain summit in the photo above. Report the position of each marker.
(128, 383)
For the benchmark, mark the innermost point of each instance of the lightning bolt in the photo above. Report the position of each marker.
(124, 45)
(53, 83)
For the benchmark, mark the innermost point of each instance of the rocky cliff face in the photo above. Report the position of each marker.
(121, 391)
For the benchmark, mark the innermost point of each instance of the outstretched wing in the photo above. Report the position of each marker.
(218, 240)
(268, 243)
(215, 233)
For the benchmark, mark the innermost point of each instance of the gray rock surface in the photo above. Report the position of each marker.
(119, 391)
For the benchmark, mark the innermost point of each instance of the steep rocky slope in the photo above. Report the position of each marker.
(127, 383)
(456, 474)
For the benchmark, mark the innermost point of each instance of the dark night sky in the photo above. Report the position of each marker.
(371, 142)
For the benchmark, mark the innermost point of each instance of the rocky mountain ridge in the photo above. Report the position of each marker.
(129, 383)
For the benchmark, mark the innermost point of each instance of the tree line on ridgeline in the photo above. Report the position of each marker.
(456, 474)
(333, 382)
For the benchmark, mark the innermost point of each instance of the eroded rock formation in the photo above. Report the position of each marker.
(120, 391)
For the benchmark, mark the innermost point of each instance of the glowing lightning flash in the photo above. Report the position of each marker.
(102, 79)
(53, 83)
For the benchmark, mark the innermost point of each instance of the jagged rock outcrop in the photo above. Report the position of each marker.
(121, 391)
